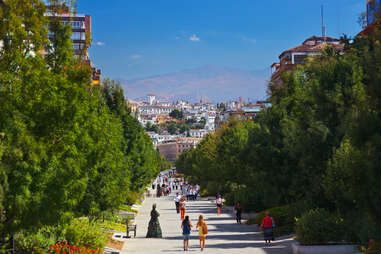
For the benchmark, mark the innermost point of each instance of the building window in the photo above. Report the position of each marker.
(76, 46)
(78, 24)
(300, 59)
(78, 36)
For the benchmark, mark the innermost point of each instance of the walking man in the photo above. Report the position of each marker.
(177, 202)
(238, 212)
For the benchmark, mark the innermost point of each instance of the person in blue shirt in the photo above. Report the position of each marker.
(186, 227)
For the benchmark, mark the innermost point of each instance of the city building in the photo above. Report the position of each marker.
(145, 119)
(372, 10)
(171, 149)
(151, 99)
(81, 36)
(198, 133)
(155, 110)
(298, 55)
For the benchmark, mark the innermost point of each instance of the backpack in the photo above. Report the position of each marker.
(204, 229)
(186, 226)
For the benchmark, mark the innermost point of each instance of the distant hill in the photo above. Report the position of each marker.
(210, 83)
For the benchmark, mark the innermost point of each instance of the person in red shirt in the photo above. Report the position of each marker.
(268, 228)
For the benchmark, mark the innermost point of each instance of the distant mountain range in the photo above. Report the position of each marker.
(209, 83)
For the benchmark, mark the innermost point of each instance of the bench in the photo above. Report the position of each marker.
(130, 227)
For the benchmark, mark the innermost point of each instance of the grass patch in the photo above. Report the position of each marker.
(110, 225)
(127, 208)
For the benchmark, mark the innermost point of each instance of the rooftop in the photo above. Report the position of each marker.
(314, 44)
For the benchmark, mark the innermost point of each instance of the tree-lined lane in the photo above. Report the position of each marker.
(225, 236)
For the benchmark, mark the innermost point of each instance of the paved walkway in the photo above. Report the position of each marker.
(225, 236)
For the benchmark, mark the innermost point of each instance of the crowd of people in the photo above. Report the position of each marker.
(171, 182)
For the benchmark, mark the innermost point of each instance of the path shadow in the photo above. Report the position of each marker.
(237, 245)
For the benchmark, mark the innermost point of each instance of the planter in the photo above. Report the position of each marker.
(324, 249)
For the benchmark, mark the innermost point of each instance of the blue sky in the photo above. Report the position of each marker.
(141, 38)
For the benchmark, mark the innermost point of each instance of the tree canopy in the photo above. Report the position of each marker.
(67, 149)
(319, 142)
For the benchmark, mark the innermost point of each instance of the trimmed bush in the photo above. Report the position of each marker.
(318, 226)
(283, 217)
(82, 232)
(373, 248)
(33, 242)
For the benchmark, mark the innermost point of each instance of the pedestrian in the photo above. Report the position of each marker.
(197, 191)
(202, 231)
(158, 191)
(219, 204)
(188, 194)
(238, 212)
(182, 207)
(186, 227)
(184, 190)
(267, 227)
(177, 202)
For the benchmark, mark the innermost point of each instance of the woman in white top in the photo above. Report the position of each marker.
(219, 204)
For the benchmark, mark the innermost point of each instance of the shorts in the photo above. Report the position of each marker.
(219, 205)
(186, 237)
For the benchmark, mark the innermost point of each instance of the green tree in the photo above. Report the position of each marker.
(172, 128)
(144, 160)
(177, 114)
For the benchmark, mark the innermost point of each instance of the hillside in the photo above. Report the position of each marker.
(210, 83)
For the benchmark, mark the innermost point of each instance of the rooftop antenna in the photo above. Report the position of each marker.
(322, 22)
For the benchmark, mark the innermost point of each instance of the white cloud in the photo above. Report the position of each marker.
(136, 56)
(194, 38)
(248, 39)
(100, 43)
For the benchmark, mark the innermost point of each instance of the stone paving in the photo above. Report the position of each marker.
(225, 235)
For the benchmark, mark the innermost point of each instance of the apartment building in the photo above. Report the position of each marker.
(81, 36)
(171, 149)
(290, 58)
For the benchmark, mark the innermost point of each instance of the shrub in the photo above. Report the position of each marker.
(249, 198)
(280, 215)
(82, 232)
(250, 221)
(33, 242)
(132, 197)
(283, 217)
(374, 248)
(63, 247)
(318, 226)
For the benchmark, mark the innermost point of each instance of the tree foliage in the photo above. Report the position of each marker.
(177, 114)
(67, 149)
(319, 142)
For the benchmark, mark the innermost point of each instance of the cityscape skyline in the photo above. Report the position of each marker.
(170, 37)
